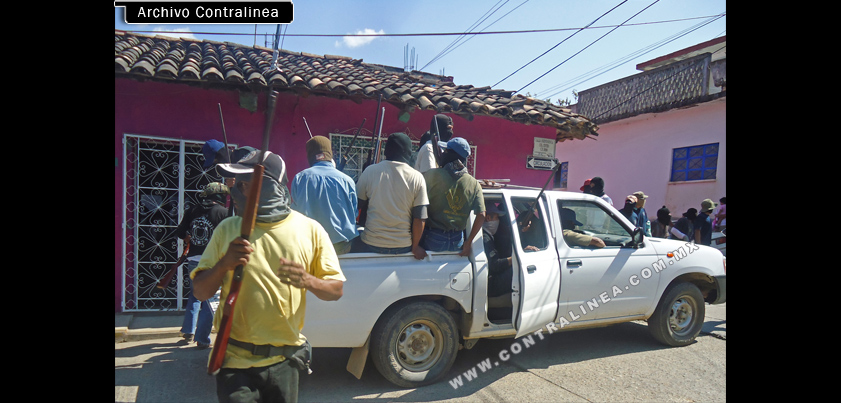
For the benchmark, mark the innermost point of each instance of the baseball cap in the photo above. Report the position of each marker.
(460, 146)
(640, 195)
(209, 150)
(586, 185)
(274, 166)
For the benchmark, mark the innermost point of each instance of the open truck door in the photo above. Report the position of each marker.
(536, 280)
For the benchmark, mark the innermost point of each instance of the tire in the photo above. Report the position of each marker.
(679, 315)
(414, 345)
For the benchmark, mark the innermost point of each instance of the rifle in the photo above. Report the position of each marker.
(531, 208)
(217, 356)
(308, 127)
(370, 158)
(379, 133)
(344, 158)
(436, 137)
(164, 282)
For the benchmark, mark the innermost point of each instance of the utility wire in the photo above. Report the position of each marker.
(585, 48)
(484, 17)
(559, 43)
(473, 36)
(606, 68)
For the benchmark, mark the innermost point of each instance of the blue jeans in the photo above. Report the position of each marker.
(198, 318)
(438, 240)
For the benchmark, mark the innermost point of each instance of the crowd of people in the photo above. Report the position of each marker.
(694, 225)
(407, 203)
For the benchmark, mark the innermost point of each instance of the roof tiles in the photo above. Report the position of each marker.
(237, 66)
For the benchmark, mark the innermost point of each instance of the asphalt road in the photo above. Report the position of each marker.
(617, 363)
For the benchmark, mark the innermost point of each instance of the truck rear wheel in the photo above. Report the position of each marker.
(414, 345)
(679, 315)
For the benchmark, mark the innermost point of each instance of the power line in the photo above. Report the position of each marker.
(585, 48)
(559, 43)
(471, 37)
(481, 19)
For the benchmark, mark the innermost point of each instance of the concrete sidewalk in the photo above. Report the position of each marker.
(147, 325)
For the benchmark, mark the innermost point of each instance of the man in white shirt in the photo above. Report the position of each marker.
(392, 202)
(426, 155)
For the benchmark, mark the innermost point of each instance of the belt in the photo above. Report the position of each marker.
(265, 350)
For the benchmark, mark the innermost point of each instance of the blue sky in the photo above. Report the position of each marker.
(486, 60)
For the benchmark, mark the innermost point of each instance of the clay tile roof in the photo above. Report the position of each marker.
(234, 66)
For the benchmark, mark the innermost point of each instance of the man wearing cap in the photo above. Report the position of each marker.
(426, 155)
(392, 202)
(452, 194)
(574, 237)
(703, 223)
(326, 194)
(642, 216)
(286, 255)
(198, 225)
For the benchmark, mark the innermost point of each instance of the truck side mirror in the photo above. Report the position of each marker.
(636, 238)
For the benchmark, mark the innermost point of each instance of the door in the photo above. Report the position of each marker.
(602, 282)
(536, 271)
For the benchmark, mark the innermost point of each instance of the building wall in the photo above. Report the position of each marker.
(636, 154)
(180, 111)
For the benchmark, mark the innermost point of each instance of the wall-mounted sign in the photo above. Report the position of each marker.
(545, 164)
(544, 148)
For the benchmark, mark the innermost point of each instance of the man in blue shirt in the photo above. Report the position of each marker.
(326, 195)
(704, 224)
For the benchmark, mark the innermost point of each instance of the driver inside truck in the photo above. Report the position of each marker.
(574, 237)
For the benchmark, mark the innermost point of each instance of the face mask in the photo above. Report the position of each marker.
(491, 226)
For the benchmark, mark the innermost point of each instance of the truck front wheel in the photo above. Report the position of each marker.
(415, 345)
(679, 315)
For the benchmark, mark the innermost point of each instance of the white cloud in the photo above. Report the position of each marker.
(187, 33)
(356, 41)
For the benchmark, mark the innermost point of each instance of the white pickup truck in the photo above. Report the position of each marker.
(414, 315)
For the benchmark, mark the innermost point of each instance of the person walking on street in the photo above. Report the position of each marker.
(286, 255)
(199, 224)
(704, 224)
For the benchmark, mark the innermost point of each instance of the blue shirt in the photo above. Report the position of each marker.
(328, 196)
(705, 224)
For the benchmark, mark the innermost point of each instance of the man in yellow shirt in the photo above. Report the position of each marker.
(286, 255)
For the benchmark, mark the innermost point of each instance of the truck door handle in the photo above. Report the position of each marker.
(575, 262)
(531, 268)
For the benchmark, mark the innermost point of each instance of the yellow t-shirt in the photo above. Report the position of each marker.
(268, 311)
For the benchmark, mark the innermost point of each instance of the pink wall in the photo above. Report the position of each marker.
(180, 111)
(635, 154)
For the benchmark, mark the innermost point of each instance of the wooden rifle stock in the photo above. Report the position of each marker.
(164, 282)
(217, 355)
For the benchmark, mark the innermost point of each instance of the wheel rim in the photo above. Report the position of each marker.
(419, 345)
(682, 316)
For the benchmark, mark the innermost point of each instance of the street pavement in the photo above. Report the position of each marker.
(615, 363)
